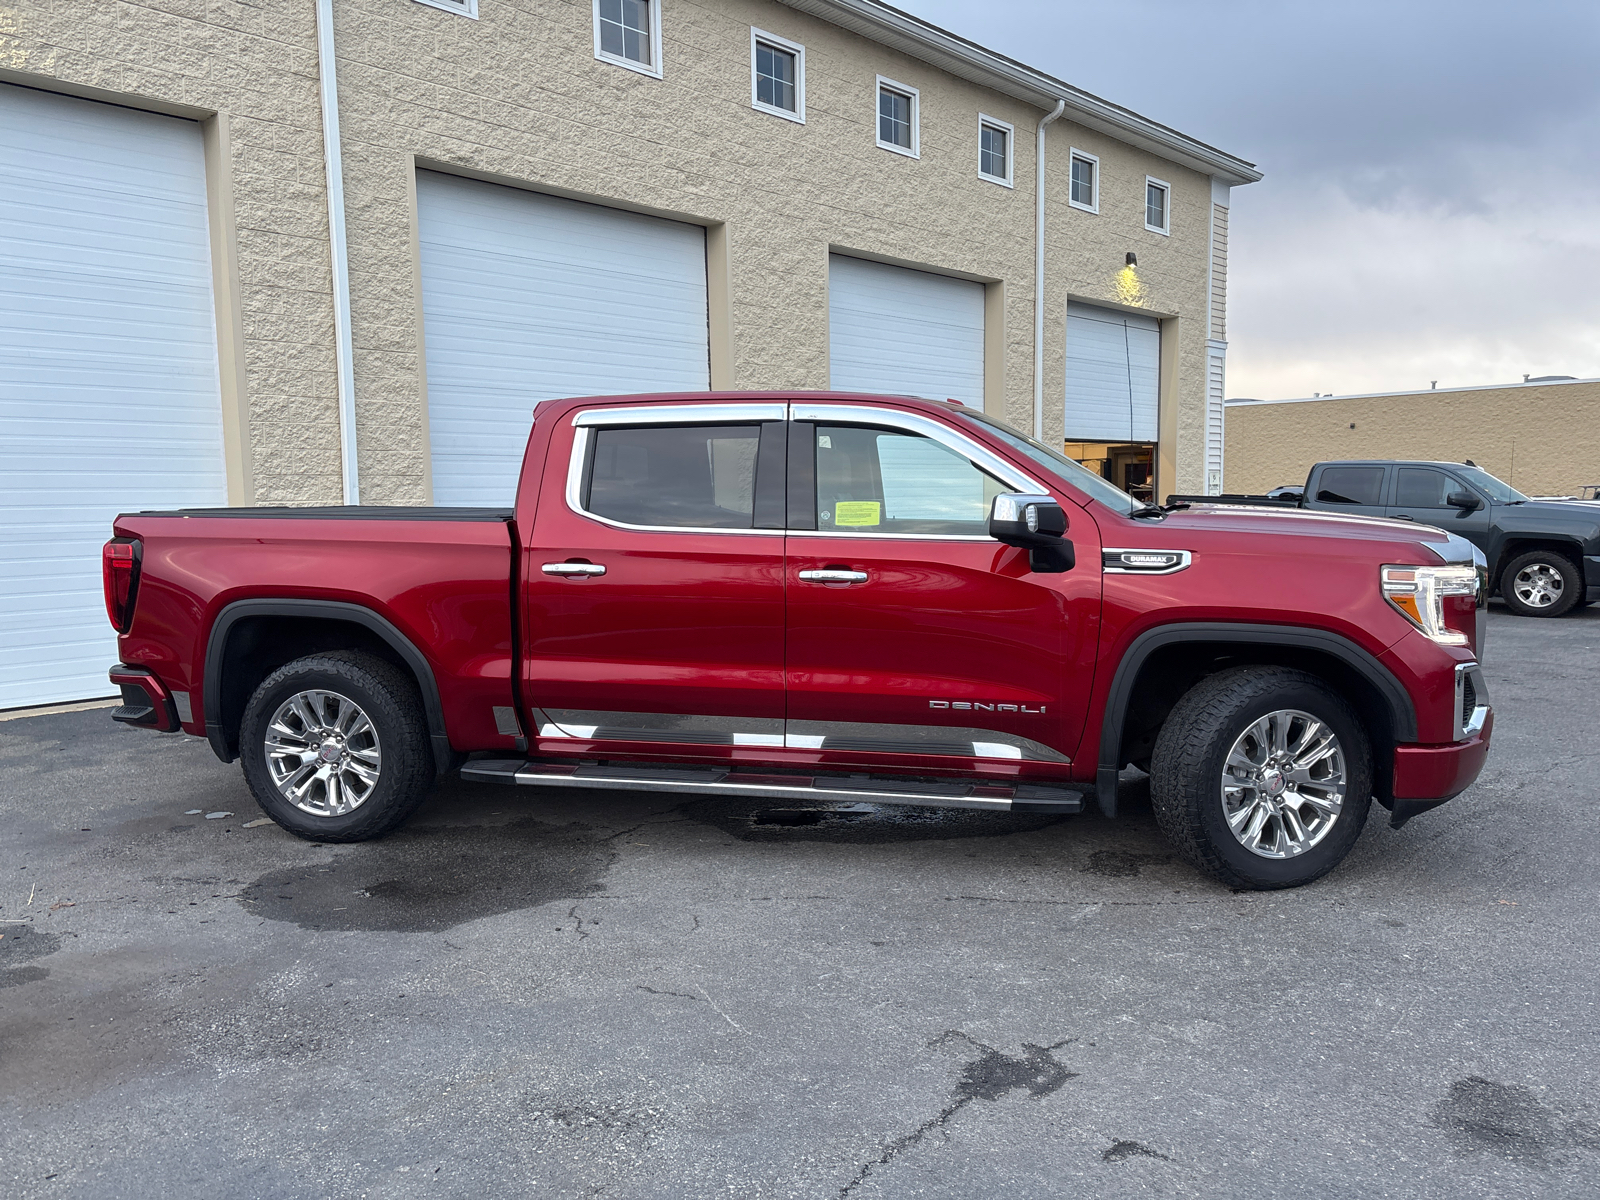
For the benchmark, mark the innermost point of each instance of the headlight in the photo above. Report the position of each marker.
(1419, 593)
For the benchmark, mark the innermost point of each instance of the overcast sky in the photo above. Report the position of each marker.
(1431, 207)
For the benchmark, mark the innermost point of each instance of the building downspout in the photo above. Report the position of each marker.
(334, 162)
(1038, 276)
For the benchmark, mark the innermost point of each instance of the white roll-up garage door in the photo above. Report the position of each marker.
(108, 367)
(902, 332)
(529, 297)
(1113, 375)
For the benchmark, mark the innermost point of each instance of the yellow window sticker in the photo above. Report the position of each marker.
(856, 512)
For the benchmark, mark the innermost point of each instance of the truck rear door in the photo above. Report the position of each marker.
(653, 579)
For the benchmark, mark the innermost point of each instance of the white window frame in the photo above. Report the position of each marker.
(1149, 182)
(916, 116)
(653, 68)
(1088, 158)
(798, 116)
(461, 8)
(1010, 131)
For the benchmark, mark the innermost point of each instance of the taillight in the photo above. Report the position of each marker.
(119, 564)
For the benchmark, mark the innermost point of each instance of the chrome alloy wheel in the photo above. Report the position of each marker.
(323, 753)
(1539, 585)
(1283, 784)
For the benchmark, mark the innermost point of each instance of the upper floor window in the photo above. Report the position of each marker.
(1085, 192)
(1157, 206)
(462, 8)
(777, 75)
(897, 117)
(628, 33)
(994, 150)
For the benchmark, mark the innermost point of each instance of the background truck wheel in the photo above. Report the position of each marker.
(1541, 583)
(1262, 777)
(335, 747)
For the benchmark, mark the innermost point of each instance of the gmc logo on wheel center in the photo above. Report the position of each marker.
(980, 706)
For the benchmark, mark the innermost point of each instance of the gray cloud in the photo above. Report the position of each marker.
(1433, 172)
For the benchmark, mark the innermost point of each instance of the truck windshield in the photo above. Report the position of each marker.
(1500, 493)
(1077, 475)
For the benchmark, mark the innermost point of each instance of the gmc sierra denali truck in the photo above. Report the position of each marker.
(818, 597)
(1543, 555)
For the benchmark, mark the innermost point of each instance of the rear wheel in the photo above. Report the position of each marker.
(1541, 583)
(1262, 777)
(335, 747)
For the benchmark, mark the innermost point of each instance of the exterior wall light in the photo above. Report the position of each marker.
(1132, 259)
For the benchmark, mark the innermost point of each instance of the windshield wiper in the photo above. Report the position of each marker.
(1155, 510)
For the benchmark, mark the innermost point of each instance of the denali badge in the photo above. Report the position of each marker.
(980, 706)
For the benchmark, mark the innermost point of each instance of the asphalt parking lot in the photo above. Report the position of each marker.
(571, 995)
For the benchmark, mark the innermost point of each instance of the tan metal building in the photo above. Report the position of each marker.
(1542, 437)
(304, 251)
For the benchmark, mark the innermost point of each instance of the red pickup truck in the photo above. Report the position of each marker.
(818, 597)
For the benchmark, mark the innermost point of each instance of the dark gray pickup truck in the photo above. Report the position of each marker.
(1543, 555)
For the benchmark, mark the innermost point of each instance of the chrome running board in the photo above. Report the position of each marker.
(722, 781)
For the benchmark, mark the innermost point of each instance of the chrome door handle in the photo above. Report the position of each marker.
(834, 576)
(573, 569)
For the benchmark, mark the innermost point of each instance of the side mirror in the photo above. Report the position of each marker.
(1465, 500)
(1036, 524)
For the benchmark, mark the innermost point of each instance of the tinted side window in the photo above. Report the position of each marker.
(1422, 487)
(878, 481)
(703, 476)
(1351, 485)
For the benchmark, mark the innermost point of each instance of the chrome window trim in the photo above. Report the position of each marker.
(1184, 559)
(861, 414)
(673, 414)
(891, 537)
(580, 454)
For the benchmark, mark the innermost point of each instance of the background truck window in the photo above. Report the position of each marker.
(1351, 485)
(701, 476)
(1423, 487)
(875, 481)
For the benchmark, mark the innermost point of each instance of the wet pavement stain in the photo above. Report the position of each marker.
(21, 944)
(766, 821)
(1118, 864)
(434, 878)
(1507, 1120)
(990, 1076)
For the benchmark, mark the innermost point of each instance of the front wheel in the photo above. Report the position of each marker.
(335, 747)
(1262, 777)
(1541, 583)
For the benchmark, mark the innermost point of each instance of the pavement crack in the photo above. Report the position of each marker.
(989, 1076)
(578, 929)
(1123, 1149)
(658, 992)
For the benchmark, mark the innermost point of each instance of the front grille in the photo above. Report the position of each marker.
(1469, 700)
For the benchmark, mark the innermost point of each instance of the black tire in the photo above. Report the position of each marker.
(1186, 786)
(389, 700)
(1557, 568)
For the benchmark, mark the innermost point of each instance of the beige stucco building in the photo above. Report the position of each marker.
(1541, 437)
(305, 251)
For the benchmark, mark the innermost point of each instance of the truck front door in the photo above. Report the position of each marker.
(1419, 495)
(653, 581)
(913, 637)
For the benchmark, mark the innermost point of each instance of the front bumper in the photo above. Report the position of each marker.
(1428, 776)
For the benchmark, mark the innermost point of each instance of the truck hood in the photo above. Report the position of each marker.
(1280, 522)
